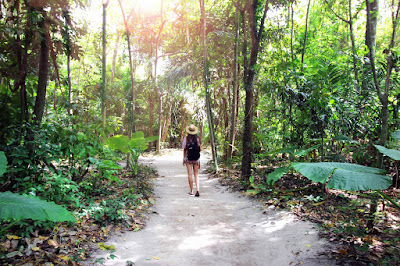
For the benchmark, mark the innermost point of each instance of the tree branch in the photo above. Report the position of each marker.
(336, 15)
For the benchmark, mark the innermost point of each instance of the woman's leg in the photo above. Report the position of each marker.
(196, 176)
(190, 179)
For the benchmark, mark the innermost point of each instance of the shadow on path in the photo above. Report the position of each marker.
(217, 228)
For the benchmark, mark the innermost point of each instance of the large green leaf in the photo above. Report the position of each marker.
(394, 154)
(150, 139)
(3, 163)
(352, 177)
(138, 135)
(18, 207)
(289, 149)
(302, 152)
(396, 135)
(276, 174)
(343, 138)
(118, 142)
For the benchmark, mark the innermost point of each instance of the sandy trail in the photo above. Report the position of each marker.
(217, 228)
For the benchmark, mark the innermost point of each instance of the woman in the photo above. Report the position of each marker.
(191, 156)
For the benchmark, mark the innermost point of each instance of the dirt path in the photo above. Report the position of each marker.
(218, 228)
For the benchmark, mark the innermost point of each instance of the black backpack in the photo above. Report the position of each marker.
(193, 150)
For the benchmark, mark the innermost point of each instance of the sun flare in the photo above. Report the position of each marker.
(150, 7)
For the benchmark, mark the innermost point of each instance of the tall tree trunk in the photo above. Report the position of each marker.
(114, 60)
(372, 23)
(22, 56)
(43, 70)
(235, 87)
(132, 71)
(104, 64)
(305, 36)
(383, 97)
(67, 45)
(159, 94)
(291, 42)
(248, 84)
(353, 46)
(206, 85)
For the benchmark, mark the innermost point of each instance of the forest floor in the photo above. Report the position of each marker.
(221, 227)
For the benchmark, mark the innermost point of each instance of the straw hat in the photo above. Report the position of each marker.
(192, 129)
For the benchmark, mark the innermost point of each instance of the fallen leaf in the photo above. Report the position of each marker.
(156, 258)
(340, 251)
(64, 257)
(11, 237)
(13, 254)
(368, 239)
(35, 248)
(53, 243)
(102, 246)
(318, 203)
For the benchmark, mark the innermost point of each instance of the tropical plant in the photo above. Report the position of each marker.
(3, 163)
(132, 147)
(392, 153)
(15, 207)
(346, 176)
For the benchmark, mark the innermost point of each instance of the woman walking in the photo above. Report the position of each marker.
(191, 157)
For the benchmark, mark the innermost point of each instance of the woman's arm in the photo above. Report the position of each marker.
(184, 149)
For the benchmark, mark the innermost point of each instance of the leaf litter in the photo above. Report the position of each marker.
(342, 216)
(67, 243)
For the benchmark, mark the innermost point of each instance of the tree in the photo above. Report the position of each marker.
(104, 63)
(43, 69)
(390, 64)
(249, 73)
(206, 85)
(235, 91)
(131, 68)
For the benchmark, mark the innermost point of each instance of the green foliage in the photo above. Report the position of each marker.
(20, 207)
(3, 163)
(276, 174)
(344, 176)
(106, 210)
(392, 153)
(57, 188)
(132, 147)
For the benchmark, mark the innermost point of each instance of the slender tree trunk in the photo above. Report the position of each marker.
(132, 75)
(291, 43)
(68, 52)
(372, 23)
(256, 36)
(132, 70)
(167, 122)
(384, 96)
(234, 92)
(159, 94)
(22, 56)
(114, 60)
(305, 36)
(206, 84)
(104, 63)
(43, 71)
(353, 47)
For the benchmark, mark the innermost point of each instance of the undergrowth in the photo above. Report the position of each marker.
(106, 208)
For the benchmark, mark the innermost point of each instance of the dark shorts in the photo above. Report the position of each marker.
(192, 162)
